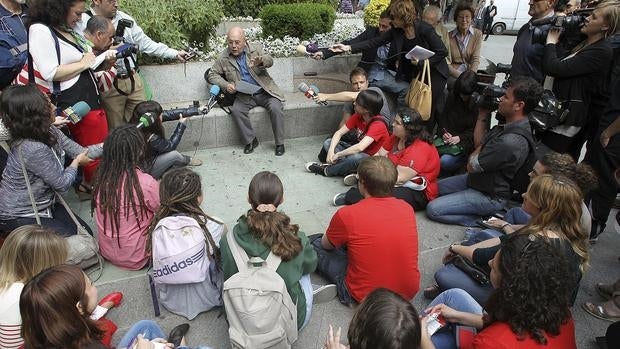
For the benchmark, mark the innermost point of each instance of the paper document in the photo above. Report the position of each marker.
(99, 59)
(246, 87)
(419, 53)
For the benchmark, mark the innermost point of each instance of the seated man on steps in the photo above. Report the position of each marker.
(371, 133)
(373, 243)
(242, 69)
(494, 163)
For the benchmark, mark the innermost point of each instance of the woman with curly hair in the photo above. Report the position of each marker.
(554, 202)
(529, 308)
(41, 149)
(180, 194)
(263, 229)
(125, 199)
(411, 150)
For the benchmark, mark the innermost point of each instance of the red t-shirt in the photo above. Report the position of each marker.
(420, 157)
(382, 246)
(377, 131)
(500, 336)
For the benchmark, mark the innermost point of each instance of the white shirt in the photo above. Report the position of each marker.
(10, 319)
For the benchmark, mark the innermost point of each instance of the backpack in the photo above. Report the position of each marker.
(179, 251)
(13, 53)
(259, 309)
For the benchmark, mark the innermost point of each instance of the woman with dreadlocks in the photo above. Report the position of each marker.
(177, 226)
(125, 199)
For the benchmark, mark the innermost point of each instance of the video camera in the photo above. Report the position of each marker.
(192, 110)
(570, 25)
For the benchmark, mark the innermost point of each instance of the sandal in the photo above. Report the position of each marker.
(84, 192)
(605, 290)
(432, 292)
(599, 311)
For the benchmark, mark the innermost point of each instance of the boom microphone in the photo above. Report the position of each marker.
(76, 112)
(309, 91)
(146, 120)
(213, 92)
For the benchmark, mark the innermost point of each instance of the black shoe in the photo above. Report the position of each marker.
(177, 334)
(250, 146)
(597, 229)
(316, 168)
(280, 150)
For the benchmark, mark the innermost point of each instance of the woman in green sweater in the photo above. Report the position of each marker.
(264, 229)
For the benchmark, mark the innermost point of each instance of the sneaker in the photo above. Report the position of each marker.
(316, 168)
(338, 200)
(323, 293)
(350, 179)
(194, 162)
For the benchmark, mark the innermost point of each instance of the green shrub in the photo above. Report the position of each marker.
(176, 22)
(297, 20)
(236, 8)
(373, 11)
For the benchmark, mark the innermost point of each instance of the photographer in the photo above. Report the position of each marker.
(578, 77)
(128, 90)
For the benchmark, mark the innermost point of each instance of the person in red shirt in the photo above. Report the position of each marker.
(529, 308)
(411, 150)
(373, 243)
(343, 158)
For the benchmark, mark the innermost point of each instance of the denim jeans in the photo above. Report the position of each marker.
(345, 165)
(332, 264)
(149, 330)
(517, 215)
(459, 300)
(391, 85)
(459, 204)
(306, 286)
(449, 276)
(164, 162)
(451, 163)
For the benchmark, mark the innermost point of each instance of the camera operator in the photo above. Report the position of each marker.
(527, 56)
(579, 77)
(128, 90)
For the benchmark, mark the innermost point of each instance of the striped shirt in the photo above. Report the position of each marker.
(10, 319)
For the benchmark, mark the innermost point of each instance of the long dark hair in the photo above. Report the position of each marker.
(273, 228)
(156, 128)
(414, 127)
(123, 152)
(52, 13)
(371, 101)
(50, 317)
(26, 112)
(179, 191)
(534, 294)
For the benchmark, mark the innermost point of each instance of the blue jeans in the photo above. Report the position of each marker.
(459, 204)
(449, 276)
(345, 165)
(306, 286)
(451, 163)
(391, 85)
(332, 264)
(149, 330)
(517, 215)
(459, 300)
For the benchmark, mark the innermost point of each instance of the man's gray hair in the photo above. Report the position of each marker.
(434, 10)
(97, 24)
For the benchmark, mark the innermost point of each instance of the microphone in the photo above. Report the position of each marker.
(76, 112)
(146, 120)
(309, 91)
(307, 50)
(214, 91)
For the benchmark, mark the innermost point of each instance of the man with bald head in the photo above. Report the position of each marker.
(241, 69)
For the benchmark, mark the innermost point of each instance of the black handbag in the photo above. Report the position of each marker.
(479, 274)
(224, 99)
(549, 112)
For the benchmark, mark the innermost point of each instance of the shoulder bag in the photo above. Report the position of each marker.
(420, 95)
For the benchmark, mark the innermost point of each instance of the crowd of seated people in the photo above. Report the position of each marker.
(455, 166)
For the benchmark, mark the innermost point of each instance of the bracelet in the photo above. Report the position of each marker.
(505, 225)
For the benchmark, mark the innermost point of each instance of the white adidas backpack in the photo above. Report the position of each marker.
(179, 251)
(259, 309)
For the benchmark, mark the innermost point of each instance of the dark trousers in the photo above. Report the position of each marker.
(487, 26)
(415, 198)
(604, 161)
(332, 264)
(241, 108)
(61, 222)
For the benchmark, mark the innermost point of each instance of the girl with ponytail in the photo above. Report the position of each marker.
(264, 229)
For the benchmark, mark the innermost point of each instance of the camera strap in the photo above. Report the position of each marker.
(131, 78)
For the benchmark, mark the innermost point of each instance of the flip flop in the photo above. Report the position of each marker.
(598, 311)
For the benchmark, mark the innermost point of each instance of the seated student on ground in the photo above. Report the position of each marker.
(554, 202)
(455, 124)
(494, 164)
(263, 229)
(161, 154)
(384, 320)
(555, 164)
(56, 305)
(174, 232)
(27, 251)
(373, 243)
(529, 307)
(343, 158)
(411, 150)
(125, 199)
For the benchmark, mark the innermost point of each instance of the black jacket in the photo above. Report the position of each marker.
(157, 145)
(369, 55)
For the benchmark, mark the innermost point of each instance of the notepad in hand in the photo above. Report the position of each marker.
(419, 53)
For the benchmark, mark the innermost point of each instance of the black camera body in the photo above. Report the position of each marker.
(192, 110)
(126, 50)
(120, 30)
(487, 96)
(570, 25)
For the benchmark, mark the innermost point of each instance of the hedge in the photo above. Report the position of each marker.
(373, 11)
(244, 8)
(297, 20)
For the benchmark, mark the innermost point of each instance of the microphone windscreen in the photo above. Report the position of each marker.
(314, 88)
(215, 90)
(301, 49)
(303, 87)
(81, 108)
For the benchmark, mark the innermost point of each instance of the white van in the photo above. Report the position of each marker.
(511, 16)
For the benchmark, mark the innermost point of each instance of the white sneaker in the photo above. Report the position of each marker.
(350, 179)
(194, 162)
(339, 199)
(323, 293)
